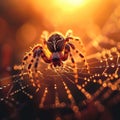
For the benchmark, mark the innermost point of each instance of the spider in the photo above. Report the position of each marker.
(58, 45)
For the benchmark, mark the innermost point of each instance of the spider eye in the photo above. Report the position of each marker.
(58, 37)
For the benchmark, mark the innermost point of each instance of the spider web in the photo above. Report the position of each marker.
(71, 87)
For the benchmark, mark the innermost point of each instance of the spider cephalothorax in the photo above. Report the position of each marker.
(55, 42)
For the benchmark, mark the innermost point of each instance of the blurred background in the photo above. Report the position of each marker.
(23, 21)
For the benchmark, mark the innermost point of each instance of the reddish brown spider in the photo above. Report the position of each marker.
(59, 47)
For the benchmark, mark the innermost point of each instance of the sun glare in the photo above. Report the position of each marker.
(72, 2)
(69, 5)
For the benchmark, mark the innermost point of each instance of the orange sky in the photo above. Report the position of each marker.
(25, 20)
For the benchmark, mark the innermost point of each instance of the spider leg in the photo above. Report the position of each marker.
(44, 37)
(69, 36)
(26, 65)
(24, 61)
(69, 33)
(33, 71)
(80, 55)
(65, 57)
(37, 53)
(32, 64)
(66, 53)
(29, 69)
(84, 60)
(37, 82)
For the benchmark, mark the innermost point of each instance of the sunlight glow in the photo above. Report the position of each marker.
(72, 2)
(69, 5)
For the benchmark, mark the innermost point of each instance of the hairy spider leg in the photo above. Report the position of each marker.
(69, 33)
(37, 53)
(81, 45)
(69, 36)
(29, 68)
(32, 67)
(36, 56)
(66, 53)
(24, 61)
(34, 63)
(81, 56)
(44, 37)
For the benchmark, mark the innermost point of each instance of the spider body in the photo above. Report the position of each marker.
(55, 45)
(58, 45)
(60, 48)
